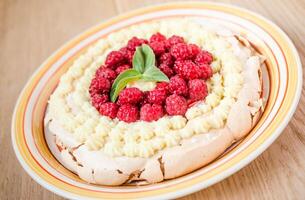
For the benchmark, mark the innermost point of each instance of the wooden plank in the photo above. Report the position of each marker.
(30, 32)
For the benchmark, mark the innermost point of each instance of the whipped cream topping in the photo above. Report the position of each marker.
(142, 85)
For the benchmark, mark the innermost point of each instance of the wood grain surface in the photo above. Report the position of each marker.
(31, 30)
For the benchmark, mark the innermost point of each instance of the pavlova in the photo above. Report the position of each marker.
(154, 101)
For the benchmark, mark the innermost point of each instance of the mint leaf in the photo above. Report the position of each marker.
(143, 58)
(149, 57)
(121, 81)
(143, 63)
(154, 74)
(138, 60)
(126, 73)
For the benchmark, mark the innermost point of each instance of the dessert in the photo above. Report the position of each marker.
(154, 101)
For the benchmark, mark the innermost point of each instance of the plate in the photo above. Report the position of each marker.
(282, 86)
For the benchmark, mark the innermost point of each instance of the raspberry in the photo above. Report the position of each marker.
(177, 86)
(105, 73)
(114, 58)
(99, 85)
(156, 96)
(98, 99)
(187, 69)
(166, 70)
(204, 57)
(128, 54)
(151, 112)
(144, 99)
(193, 50)
(162, 86)
(186, 65)
(166, 59)
(122, 68)
(128, 113)
(178, 66)
(157, 37)
(174, 40)
(197, 89)
(130, 95)
(206, 71)
(134, 42)
(157, 47)
(109, 109)
(179, 51)
(175, 105)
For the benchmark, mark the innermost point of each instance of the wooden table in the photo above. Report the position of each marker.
(31, 30)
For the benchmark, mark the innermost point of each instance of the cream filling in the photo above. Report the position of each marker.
(142, 85)
(70, 103)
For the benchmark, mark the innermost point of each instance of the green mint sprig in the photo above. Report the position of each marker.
(143, 68)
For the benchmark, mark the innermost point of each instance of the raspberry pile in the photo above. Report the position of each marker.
(186, 65)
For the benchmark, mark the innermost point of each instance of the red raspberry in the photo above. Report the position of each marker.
(113, 59)
(175, 105)
(105, 73)
(187, 69)
(109, 109)
(206, 71)
(166, 59)
(178, 66)
(156, 96)
(193, 50)
(204, 57)
(128, 54)
(177, 86)
(99, 85)
(130, 96)
(145, 99)
(179, 51)
(166, 70)
(122, 68)
(151, 112)
(134, 42)
(98, 99)
(174, 40)
(157, 37)
(197, 89)
(157, 47)
(162, 86)
(128, 113)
